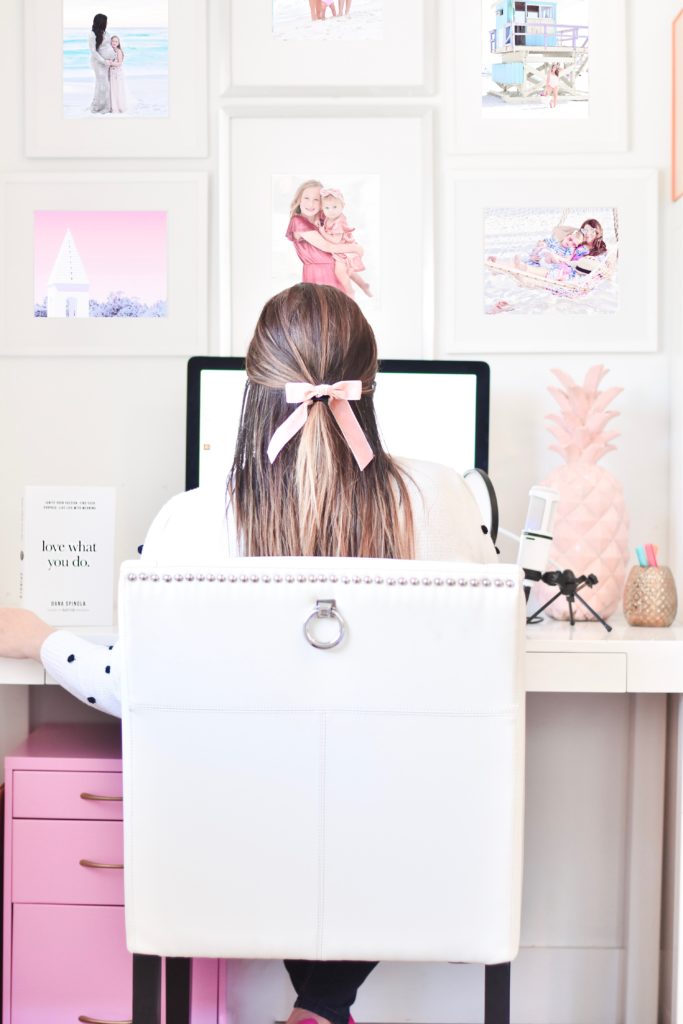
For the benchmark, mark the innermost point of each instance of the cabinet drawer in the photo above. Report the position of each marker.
(577, 672)
(46, 859)
(68, 961)
(60, 795)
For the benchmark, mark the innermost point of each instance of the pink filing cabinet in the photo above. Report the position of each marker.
(65, 956)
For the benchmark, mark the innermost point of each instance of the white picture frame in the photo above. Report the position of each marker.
(396, 146)
(631, 327)
(183, 133)
(255, 62)
(604, 130)
(183, 331)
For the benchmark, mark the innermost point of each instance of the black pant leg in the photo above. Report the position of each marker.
(298, 971)
(330, 986)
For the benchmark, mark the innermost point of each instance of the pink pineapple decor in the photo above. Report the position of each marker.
(591, 523)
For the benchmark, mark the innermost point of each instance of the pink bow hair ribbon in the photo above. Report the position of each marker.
(338, 397)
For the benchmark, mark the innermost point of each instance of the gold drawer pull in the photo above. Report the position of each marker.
(94, 796)
(100, 1020)
(97, 864)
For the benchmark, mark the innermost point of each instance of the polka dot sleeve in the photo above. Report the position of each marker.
(90, 672)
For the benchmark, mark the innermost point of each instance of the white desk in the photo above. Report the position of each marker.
(627, 660)
(562, 659)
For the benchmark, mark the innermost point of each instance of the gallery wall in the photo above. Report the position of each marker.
(75, 402)
(119, 421)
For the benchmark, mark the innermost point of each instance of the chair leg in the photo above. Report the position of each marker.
(178, 990)
(497, 994)
(146, 989)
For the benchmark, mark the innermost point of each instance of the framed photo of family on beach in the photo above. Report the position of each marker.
(129, 82)
(545, 262)
(331, 199)
(298, 47)
(103, 264)
(539, 76)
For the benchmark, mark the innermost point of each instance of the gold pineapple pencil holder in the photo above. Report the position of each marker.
(650, 596)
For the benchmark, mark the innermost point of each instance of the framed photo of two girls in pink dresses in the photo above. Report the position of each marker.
(341, 200)
(107, 82)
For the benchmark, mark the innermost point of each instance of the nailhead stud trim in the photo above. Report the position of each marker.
(415, 581)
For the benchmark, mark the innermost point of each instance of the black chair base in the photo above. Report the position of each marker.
(497, 994)
(147, 991)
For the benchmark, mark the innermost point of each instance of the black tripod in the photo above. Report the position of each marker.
(569, 586)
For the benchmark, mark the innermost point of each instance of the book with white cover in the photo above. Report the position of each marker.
(67, 568)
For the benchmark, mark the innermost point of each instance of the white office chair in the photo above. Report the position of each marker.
(323, 759)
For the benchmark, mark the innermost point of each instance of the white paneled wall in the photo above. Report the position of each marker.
(121, 422)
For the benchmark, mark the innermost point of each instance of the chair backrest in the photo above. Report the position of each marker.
(362, 801)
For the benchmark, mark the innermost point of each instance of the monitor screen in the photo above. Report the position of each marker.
(437, 411)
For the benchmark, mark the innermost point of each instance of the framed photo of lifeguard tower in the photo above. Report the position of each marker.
(540, 76)
(550, 262)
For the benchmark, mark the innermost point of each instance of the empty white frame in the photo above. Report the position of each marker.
(183, 133)
(627, 322)
(182, 197)
(392, 151)
(603, 130)
(257, 62)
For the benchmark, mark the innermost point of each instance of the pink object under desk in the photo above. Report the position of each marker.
(64, 941)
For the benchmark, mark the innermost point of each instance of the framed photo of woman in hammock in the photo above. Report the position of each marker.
(544, 259)
(555, 263)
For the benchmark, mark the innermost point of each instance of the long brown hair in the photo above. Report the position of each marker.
(99, 27)
(598, 245)
(314, 500)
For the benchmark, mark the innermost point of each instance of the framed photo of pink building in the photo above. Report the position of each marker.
(126, 82)
(338, 198)
(545, 262)
(539, 76)
(302, 47)
(103, 264)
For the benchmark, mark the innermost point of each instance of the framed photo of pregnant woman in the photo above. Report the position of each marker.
(545, 262)
(341, 198)
(106, 83)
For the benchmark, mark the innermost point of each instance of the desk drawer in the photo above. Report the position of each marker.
(46, 859)
(575, 672)
(59, 795)
(68, 961)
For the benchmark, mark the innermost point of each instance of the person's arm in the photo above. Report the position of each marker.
(316, 239)
(88, 671)
(94, 52)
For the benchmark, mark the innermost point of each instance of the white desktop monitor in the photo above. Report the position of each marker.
(437, 411)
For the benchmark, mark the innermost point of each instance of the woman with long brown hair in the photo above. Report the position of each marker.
(102, 56)
(309, 477)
